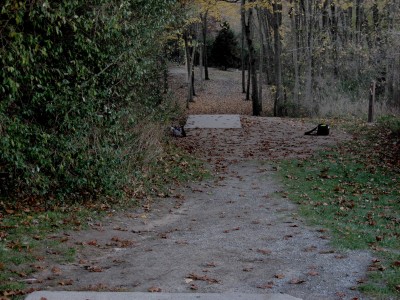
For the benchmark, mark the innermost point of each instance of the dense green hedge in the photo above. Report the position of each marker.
(76, 77)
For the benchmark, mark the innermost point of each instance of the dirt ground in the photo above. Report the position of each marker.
(233, 233)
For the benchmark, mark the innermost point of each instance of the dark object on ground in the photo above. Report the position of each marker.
(178, 131)
(321, 129)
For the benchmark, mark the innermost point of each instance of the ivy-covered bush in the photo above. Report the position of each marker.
(76, 77)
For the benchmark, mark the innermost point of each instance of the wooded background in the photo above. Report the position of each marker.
(318, 58)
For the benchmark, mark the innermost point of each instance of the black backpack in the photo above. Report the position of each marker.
(321, 129)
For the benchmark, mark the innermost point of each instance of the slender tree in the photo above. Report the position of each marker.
(247, 25)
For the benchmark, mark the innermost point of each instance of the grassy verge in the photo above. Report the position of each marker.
(28, 234)
(354, 190)
(24, 234)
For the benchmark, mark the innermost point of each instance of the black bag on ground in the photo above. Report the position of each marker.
(321, 129)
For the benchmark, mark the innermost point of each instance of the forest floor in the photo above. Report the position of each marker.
(235, 232)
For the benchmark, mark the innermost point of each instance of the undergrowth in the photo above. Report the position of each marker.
(354, 190)
(26, 232)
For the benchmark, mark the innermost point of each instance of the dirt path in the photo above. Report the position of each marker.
(234, 233)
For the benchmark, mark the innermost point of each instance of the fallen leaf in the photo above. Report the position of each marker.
(120, 228)
(327, 252)
(56, 271)
(66, 282)
(163, 235)
(211, 264)
(203, 278)
(121, 242)
(313, 273)
(361, 280)
(96, 269)
(268, 285)
(310, 249)
(247, 269)
(396, 263)
(64, 239)
(297, 281)
(279, 276)
(92, 243)
(182, 242)
(264, 251)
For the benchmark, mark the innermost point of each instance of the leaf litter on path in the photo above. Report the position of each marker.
(169, 245)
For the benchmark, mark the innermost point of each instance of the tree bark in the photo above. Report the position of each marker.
(261, 59)
(278, 103)
(248, 79)
(205, 56)
(295, 55)
(309, 54)
(371, 107)
(252, 59)
(201, 61)
(191, 76)
(243, 62)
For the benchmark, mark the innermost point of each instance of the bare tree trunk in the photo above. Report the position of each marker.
(248, 79)
(393, 57)
(252, 59)
(309, 54)
(205, 56)
(201, 48)
(187, 55)
(242, 55)
(165, 70)
(190, 61)
(277, 11)
(335, 39)
(269, 61)
(371, 107)
(358, 32)
(261, 59)
(295, 56)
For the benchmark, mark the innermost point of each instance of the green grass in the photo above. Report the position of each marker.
(354, 190)
(27, 233)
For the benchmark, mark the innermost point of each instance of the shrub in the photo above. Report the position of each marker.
(76, 77)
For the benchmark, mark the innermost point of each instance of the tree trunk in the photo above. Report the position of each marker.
(335, 39)
(252, 59)
(165, 71)
(187, 56)
(371, 107)
(295, 56)
(201, 63)
(261, 59)
(269, 64)
(309, 55)
(190, 60)
(248, 79)
(205, 56)
(242, 55)
(278, 103)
